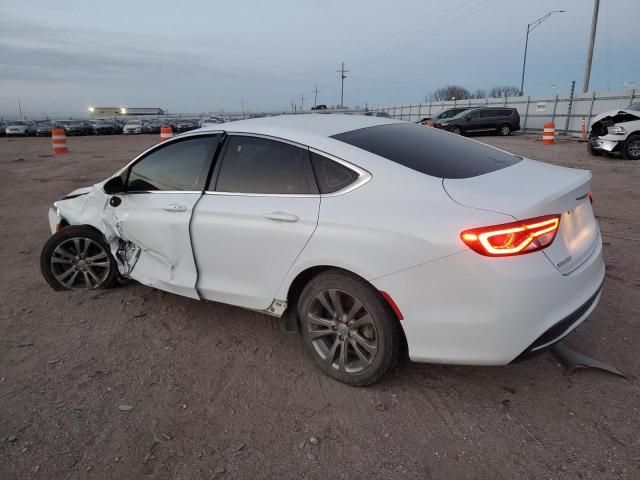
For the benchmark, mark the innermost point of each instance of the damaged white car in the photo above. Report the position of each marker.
(616, 131)
(367, 235)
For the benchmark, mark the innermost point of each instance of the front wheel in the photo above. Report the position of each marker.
(456, 130)
(348, 328)
(505, 130)
(78, 258)
(631, 148)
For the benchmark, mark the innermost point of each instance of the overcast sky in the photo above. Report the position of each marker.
(59, 57)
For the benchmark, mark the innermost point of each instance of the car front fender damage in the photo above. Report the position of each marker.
(88, 208)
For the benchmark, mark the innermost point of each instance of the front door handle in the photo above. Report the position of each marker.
(281, 217)
(175, 208)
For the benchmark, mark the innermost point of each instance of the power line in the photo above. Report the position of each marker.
(435, 29)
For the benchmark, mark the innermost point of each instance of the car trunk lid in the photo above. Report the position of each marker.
(531, 189)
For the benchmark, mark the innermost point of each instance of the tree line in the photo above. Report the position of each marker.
(450, 92)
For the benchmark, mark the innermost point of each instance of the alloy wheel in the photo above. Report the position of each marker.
(342, 331)
(80, 264)
(634, 148)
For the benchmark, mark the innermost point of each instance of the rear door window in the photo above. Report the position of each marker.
(429, 150)
(262, 166)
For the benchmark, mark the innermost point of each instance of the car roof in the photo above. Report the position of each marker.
(324, 125)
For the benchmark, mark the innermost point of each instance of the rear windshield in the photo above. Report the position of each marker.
(428, 150)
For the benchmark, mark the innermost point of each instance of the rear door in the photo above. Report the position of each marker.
(254, 220)
(489, 119)
(154, 213)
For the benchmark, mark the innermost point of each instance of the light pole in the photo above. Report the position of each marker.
(530, 27)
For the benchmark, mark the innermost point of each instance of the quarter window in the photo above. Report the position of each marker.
(332, 176)
(181, 165)
(258, 165)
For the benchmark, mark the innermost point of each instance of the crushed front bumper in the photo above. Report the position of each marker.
(606, 145)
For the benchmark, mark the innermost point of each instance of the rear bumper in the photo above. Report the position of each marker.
(475, 310)
(563, 328)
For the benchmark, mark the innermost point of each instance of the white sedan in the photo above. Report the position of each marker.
(370, 236)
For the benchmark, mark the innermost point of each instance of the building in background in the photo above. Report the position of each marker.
(115, 111)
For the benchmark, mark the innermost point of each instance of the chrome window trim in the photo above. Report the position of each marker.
(240, 194)
(199, 192)
(180, 136)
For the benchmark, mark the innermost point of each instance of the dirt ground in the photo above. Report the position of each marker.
(219, 392)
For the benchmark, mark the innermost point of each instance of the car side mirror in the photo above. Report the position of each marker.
(468, 119)
(114, 185)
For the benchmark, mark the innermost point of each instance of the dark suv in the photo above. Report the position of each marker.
(481, 120)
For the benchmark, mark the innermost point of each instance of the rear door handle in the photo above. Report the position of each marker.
(175, 208)
(281, 217)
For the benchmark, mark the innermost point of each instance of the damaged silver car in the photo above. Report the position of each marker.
(616, 131)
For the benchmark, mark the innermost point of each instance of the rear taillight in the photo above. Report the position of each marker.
(514, 238)
(591, 197)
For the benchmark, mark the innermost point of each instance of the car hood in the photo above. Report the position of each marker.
(613, 113)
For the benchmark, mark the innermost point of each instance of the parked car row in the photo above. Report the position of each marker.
(27, 128)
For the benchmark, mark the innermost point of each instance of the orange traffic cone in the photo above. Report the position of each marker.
(166, 133)
(549, 134)
(59, 141)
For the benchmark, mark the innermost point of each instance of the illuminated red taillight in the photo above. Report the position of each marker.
(514, 238)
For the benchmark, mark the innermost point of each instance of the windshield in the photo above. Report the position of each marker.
(450, 113)
(134, 123)
(45, 124)
(18, 123)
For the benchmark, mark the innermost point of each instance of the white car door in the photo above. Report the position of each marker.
(154, 213)
(254, 220)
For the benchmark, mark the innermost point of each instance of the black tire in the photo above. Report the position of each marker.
(631, 148)
(372, 324)
(591, 150)
(78, 258)
(505, 130)
(456, 130)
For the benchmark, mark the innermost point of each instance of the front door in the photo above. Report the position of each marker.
(254, 220)
(154, 213)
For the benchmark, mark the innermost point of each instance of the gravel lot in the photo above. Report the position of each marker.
(219, 392)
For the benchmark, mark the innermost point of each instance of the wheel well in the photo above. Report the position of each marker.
(290, 317)
(304, 277)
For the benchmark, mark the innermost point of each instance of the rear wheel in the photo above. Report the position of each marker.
(348, 328)
(631, 148)
(505, 130)
(78, 258)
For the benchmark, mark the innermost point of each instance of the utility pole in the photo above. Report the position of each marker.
(242, 102)
(20, 107)
(592, 41)
(315, 100)
(342, 72)
(530, 27)
(302, 102)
